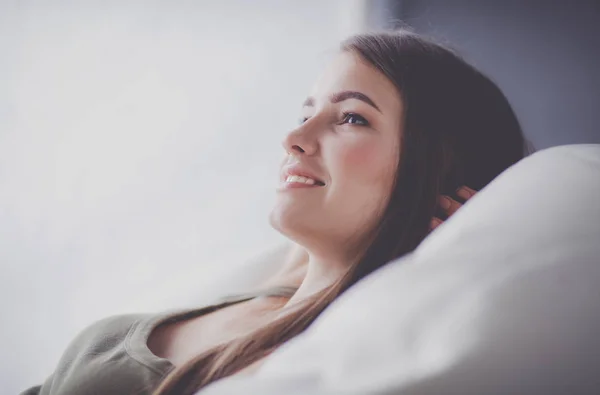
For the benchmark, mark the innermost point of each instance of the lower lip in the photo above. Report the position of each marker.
(296, 185)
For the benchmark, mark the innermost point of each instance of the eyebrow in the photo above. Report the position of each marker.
(341, 96)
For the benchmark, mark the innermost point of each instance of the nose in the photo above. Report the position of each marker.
(301, 141)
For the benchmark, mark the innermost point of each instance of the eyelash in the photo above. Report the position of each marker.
(346, 116)
(362, 120)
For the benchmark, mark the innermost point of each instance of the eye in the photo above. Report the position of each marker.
(354, 119)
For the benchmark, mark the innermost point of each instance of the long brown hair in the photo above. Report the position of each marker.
(459, 129)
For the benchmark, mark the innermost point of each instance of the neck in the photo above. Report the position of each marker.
(310, 272)
(320, 274)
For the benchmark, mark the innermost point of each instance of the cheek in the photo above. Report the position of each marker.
(366, 162)
(362, 179)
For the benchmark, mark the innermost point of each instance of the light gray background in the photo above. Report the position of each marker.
(139, 152)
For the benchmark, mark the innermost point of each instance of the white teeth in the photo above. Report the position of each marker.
(304, 180)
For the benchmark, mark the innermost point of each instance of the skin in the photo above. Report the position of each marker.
(351, 143)
(352, 146)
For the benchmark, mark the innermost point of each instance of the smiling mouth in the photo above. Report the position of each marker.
(303, 180)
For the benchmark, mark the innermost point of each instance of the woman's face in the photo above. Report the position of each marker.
(346, 148)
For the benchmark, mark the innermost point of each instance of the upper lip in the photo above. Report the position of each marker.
(298, 170)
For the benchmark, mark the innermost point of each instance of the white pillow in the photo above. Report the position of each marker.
(503, 298)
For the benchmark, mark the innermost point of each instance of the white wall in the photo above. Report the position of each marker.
(139, 145)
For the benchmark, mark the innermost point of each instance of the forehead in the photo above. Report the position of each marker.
(348, 71)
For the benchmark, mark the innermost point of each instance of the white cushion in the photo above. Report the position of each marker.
(503, 298)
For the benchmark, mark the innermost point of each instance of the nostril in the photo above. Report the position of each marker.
(298, 148)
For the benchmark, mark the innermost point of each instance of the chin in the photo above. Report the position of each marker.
(279, 220)
(290, 222)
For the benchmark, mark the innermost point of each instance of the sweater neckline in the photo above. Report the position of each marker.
(136, 343)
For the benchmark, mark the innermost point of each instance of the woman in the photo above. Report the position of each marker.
(394, 125)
